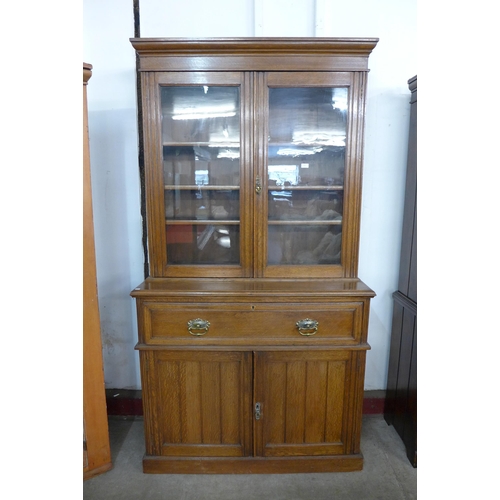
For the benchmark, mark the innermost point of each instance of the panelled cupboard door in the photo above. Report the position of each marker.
(303, 403)
(201, 405)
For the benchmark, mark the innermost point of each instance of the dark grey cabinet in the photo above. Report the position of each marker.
(401, 398)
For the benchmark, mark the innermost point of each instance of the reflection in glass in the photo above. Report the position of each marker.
(306, 163)
(308, 116)
(306, 166)
(203, 244)
(305, 205)
(196, 165)
(201, 114)
(202, 204)
(304, 245)
(201, 171)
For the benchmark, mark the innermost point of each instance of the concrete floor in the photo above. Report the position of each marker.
(387, 474)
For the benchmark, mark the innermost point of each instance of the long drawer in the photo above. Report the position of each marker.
(231, 324)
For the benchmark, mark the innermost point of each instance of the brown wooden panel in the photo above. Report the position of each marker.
(97, 454)
(323, 79)
(303, 396)
(202, 402)
(191, 416)
(168, 322)
(169, 387)
(295, 403)
(253, 465)
(316, 411)
(230, 407)
(275, 376)
(335, 401)
(210, 403)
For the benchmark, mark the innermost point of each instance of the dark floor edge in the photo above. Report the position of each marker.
(126, 402)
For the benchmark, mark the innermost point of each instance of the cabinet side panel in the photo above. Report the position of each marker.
(404, 368)
(149, 402)
(353, 177)
(407, 268)
(410, 428)
(153, 176)
(392, 375)
(355, 371)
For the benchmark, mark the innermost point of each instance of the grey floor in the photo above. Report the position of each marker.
(387, 474)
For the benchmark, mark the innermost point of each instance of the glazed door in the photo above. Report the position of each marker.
(306, 196)
(303, 403)
(202, 406)
(196, 172)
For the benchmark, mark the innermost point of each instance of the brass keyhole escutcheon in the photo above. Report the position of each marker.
(258, 185)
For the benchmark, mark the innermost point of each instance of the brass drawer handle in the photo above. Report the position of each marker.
(307, 327)
(200, 326)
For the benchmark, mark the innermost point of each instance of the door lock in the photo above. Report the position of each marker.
(257, 411)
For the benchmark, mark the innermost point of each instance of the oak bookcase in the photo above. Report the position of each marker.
(253, 321)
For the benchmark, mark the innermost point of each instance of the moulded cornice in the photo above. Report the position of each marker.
(267, 54)
(255, 46)
(87, 72)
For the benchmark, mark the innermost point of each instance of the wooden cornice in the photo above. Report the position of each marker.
(87, 72)
(254, 46)
(181, 54)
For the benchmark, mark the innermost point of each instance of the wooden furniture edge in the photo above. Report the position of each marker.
(252, 465)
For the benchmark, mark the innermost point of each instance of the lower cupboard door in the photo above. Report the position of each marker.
(303, 398)
(203, 404)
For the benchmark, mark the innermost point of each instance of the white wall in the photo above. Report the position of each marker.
(115, 182)
(113, 142)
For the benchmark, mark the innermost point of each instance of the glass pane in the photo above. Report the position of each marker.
(201, 114)
(292, 165)
(203, 244)
(201, 171)
(202, 204)
(300, 205)
(201, 166)
(304, 244)
(308, 116)
(306, 163)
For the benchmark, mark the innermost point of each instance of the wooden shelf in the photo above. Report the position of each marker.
(305, 222)
(201, 222)
(302, 145)
(234, 145)
(196, 187)
(305, 188)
